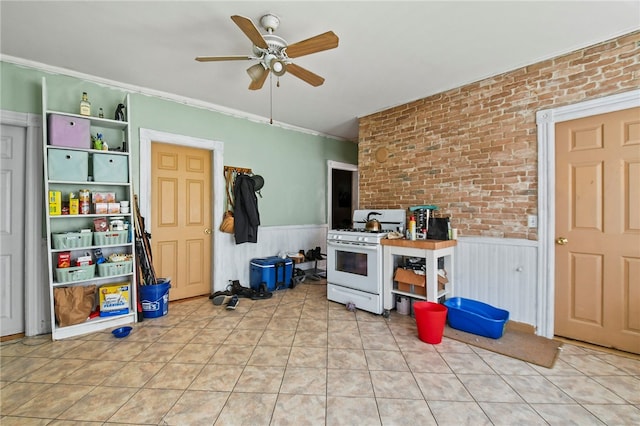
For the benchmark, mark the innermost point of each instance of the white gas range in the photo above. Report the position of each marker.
(354, 259)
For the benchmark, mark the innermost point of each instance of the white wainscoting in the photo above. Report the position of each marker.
(501, 272)
(272, 240)
(39, 314)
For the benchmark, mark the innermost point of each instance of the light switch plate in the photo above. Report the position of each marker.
(532, 221)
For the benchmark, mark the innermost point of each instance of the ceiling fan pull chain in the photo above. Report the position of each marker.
(270, 98)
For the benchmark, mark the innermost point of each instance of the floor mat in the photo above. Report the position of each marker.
(518, 341)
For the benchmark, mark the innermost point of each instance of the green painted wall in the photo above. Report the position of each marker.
(293, 164)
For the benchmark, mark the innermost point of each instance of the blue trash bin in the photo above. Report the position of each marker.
(155, 299)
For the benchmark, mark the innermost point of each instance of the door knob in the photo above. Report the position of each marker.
(207, 231)
(561, 241)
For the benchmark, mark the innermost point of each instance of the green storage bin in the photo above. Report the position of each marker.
(71, 240)
(110, 168)
(110, 238)
(109, 269)
(75, 273)
(68, 165)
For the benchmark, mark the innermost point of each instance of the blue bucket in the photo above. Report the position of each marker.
(155, 299)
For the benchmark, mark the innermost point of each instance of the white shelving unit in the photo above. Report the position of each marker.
(60, 224)
(431, 251)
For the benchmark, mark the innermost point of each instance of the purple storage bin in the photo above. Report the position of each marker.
(72, 132)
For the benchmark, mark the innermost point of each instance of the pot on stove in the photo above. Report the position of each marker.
(373, 224)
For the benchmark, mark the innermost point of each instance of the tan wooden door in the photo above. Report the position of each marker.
(181, 218)
(597, 276)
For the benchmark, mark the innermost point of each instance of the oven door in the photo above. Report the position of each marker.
(355, 265)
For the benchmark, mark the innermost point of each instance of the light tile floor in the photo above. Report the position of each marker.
(298, 359)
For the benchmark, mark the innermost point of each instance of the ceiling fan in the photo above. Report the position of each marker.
(274, 54)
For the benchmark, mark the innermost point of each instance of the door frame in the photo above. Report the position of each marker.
(546, 120)
(36, 296)
(355, 195)
(148, 136)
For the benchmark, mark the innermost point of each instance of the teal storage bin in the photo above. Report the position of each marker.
(110, 168)
(68, 165)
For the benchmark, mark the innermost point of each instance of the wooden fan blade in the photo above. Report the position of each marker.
(315, 44)
(304, 74)
(222, 58)
(257, 85)
(250, 30)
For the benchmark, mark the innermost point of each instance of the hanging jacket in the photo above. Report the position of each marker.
(246, 215)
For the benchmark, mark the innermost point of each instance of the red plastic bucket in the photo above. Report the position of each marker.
(430, 318)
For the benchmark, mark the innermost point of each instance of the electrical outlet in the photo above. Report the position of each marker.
(532, 221)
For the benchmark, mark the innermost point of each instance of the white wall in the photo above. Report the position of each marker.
(501, 272)
(235, 259)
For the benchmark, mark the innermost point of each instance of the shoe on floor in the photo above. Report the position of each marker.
(262, 293)
(222, 299)
(218, 293)
(317, 254)
(239, 290)
(233, 302)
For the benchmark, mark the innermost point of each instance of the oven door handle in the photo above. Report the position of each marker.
(355, 245)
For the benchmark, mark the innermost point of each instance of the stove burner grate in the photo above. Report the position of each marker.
(363, 230)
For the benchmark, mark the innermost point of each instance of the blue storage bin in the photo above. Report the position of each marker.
(68, 165)
(110, 168)
(476, 317)
(273, 271)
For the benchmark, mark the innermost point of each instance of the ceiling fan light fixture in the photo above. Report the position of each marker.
(278, 67)
(255, 72)
(273, 54)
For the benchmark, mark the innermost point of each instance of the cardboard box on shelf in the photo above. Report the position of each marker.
(74, 206)
(408, 276)
(101, 208)
(420, 291)
(113, 208)
(410, 282)
(442, 279)
(100, 224)
(55, 203)
(114, 299)
(103, 197)
(404, 287)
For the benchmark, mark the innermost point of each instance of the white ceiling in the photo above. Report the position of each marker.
(389, 52)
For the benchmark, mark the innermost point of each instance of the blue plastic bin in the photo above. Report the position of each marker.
(476, 317)
(274, 272)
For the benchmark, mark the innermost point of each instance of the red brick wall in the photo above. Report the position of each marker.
(472, 150)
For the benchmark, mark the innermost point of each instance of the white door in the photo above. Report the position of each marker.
(12, 169)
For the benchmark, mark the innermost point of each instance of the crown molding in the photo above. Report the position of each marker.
(162, 95)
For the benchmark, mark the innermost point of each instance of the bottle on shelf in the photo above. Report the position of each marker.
(100, 113)
(412, 228)
(85, 105)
